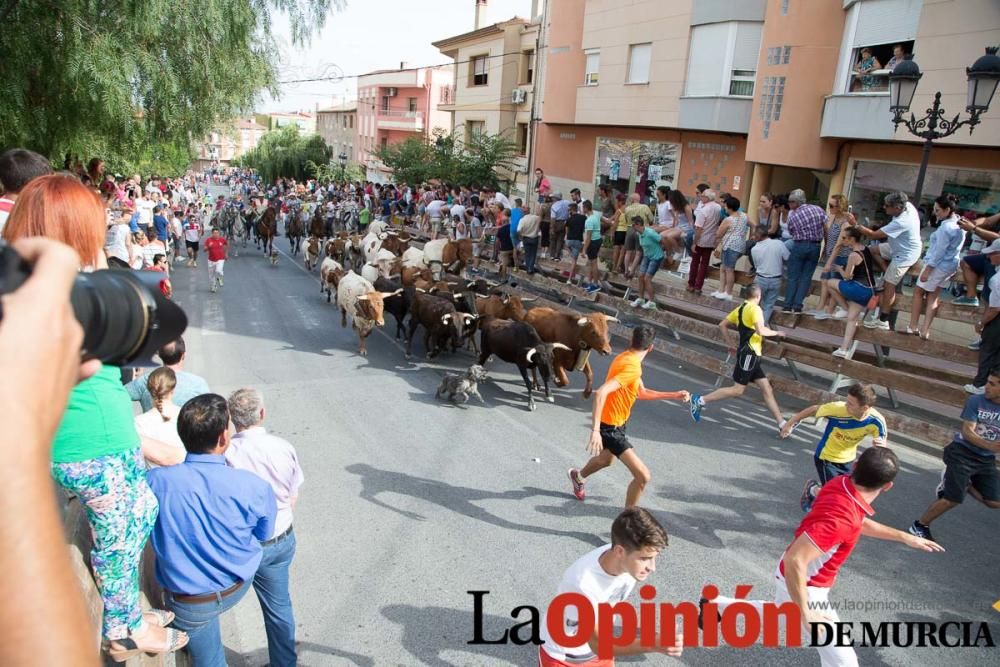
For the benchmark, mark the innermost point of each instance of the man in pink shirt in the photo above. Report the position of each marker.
(274, 460)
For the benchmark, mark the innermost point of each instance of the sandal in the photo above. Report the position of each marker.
(158, 617)
(128, 648)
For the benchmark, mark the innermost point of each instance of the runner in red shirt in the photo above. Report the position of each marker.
(216, 247)
(840, 515)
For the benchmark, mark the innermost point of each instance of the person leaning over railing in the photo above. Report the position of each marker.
(97, 454)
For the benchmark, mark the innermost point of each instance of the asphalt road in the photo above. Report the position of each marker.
(410, 503)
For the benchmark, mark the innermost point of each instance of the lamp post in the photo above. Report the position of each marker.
(984, 75)
(343, 165)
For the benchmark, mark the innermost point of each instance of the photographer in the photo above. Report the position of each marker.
(96, 453)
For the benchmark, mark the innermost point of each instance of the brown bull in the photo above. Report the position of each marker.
(410, 274)
(503, 306)
(579, 333)
(396, 244)
(457, 253)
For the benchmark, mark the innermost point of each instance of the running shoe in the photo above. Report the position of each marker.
(221, 283)
(974, 390)
(637, 302)
(974, 345)
(877, 324)
(966, 301)
(939, 490)
(574, 478)
(920, 530)
(696, 407)
(840, 314)
(590, 289)
(806, 500)
(650, 305)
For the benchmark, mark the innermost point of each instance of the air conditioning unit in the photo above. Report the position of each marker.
(518, 96)
(393, 92)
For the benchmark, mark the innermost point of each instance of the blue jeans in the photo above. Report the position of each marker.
(769, 289)
(271, 585)
(201, 621)
(530, 253)
(801, 265)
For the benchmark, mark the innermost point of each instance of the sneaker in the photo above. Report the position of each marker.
(966, 301)
(840, 314)
(877, 324)
(717, 295)
(650, 305)
(574, 478)
(214, 289)
(696, 407)
(814, 313)
(974, 345)
(726, 296)
(637, 302)
(821, 315)
(920, 530)
(840, 353)
(974, 390)
(939, 489)
(593, 288)
(806, 500)
(221, 283)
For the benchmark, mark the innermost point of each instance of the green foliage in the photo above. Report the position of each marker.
(484, 160)
(286, 153)
(325, 173)
(122, 79)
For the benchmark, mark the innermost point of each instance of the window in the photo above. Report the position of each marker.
(638, 63)
(522, 138)
(345, 121)
(385, 103)
(771, 99)
(477, 71)
(723, 59)
(877, 25)
(784, 7)
(351, 122)
(593, 65)
(475, 128)
(786, 55)
(384, 143)
(527, 74)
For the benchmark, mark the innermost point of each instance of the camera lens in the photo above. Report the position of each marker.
(125, 316)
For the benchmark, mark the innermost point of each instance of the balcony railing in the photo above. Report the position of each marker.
(393, 113)
(876, 81)
(411, 121)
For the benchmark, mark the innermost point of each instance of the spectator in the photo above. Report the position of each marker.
(173, 355)
(619, 228)
(560, 217)
(96, 453)
(212, 521)
(903, 247)
(706, 225)
(154, 246)
(806, 225)
(545, 227)
(519, 211)
(160, 264)
(592, 243)
(898, 55)
(18, 166)
(940, 264)
(867, 63)
(835, 250)
(988, 327)
(529, 230)
(504, 242)
(976, 265)
(731, 244)
(542, 186)
(678, 233)
(652, 257)
(855, 288)
(274, 460)
(160, 423)
(769, 255)
(633, 252)
(574, 239)
(118, 244)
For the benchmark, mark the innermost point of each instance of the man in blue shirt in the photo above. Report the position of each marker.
(970, 459)
(189, 385)
(208, 535)
(160, 223)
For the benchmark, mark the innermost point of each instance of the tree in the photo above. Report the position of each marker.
(325, 173)
(113, 77)
(490, 159)
(286, 152)
(411, 161)
(483, 159)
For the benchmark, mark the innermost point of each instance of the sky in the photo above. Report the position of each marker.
(369, 35)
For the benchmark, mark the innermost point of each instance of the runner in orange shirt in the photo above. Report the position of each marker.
(612, 406)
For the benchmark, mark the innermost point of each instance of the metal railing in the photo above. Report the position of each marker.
(393, 113)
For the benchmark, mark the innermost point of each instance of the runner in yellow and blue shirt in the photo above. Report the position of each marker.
(847, 424)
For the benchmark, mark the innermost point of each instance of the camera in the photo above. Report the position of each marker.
(124, 315)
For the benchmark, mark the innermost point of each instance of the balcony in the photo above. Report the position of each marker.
(857, 116)
(407, 121)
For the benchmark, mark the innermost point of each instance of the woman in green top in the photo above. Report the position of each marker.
(96, 453)
(652, 257)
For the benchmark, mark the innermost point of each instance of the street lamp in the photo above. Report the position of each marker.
(984, 75)
(343, 165)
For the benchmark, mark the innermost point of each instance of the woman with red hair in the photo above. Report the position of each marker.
(96, 453)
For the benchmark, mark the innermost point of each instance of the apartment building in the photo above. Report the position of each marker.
(494, 83)
(753, 96)
(227, 143)
(273, 120)
(336, 125)
(395, 104)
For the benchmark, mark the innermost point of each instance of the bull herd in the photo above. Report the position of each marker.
(425, 288)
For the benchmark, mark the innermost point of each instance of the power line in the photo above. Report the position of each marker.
(405, 69)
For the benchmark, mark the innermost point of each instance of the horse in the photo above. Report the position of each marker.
(316, 226)
(238, 234)
(295, 229)
(267, 229)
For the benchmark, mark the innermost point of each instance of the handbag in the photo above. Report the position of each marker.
(877, 286)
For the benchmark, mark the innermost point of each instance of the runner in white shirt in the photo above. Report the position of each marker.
(435, 212)
(192, 235)
(607, 575)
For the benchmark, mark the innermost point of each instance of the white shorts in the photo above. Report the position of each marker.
(895, 271)
(935, 280)
(216, 267)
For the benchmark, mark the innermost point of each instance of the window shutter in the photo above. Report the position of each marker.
(638, 68)
(706, 68)
(747, 47)
(885, 21)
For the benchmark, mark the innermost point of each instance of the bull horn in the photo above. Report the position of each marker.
(560, 346)
(582, 321)
(363, 297)
(612, 319)
(468, 318)
(421, 290)
(530, 354)
(505, 299)
(492, 284)
(529, 299)
(445, 318)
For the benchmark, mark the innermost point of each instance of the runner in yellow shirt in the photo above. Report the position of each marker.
(613, 403)
(847, 424)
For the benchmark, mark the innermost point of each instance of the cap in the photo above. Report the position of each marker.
(992, 248)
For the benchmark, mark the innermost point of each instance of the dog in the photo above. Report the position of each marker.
(274, 258)
(454, 386)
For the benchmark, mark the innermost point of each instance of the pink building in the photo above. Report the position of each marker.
(396, 104)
